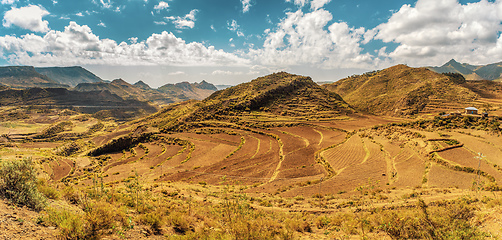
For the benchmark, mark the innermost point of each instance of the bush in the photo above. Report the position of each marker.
(71, 224)
(18, 183)
(154, 220)
(48, 191)
(102, 216)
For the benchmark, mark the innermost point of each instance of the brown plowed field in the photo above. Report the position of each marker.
(410, 169)
(465, 158)
(391, 147)
(242, 166)
(291, 143)
(214, 138)
(491, 148)
(59, 168)
(330, 137)
(300, 163)
(349, 153)
(124, 161)
(355, 175)
(358, 121)
(443, 177)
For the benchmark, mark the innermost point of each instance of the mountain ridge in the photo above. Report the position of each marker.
(71, 76)
(25, 77)
(401, 90)
(491, 71)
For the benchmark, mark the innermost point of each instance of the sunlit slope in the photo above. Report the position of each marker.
(402, 90)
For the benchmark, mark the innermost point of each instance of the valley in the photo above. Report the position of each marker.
(278, 147)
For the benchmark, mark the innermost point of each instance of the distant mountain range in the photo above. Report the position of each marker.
(169, 93)
(88, 102)
(25, 77)
(472, 72)
(80, 79)
(71, 76)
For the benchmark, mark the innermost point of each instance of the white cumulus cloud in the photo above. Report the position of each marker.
(226, 73)
(300, 3)
(8, 1)
(234, 27)
(434, 31)
(161, 5)
(78, 45)
(188, 21)
(29, 18)
(246, 5)
(309, 39)
(316, 4)
(177, 73)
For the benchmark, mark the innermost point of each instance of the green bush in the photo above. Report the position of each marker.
(18, 183)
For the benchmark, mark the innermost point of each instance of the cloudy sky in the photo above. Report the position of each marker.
(233, 41)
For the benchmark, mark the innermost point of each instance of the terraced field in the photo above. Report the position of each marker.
(289, 156)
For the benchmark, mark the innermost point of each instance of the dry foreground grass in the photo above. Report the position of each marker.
(66, 175)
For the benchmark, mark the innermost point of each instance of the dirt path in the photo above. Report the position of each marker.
(281, 159)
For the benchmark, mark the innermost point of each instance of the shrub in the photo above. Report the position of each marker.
(154, 220)
(102, 216)
(71, 195)
(71, 224)
(18, 183)
(46, 190)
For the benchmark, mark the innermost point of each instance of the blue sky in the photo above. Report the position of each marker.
(233, 41)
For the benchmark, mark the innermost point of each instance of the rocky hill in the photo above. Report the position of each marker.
(402, 90)
(25, 77)
(472, 72)
(278, 94)
(71, 76)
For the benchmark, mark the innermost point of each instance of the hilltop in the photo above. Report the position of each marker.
(278, 94)
(25, 77)
(142, 85)
(472, 72)
(71, 76)
(402, 90)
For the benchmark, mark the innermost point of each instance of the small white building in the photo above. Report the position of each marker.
(471, 110)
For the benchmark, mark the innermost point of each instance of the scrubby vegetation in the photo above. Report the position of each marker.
(492, 124)
(18, 183)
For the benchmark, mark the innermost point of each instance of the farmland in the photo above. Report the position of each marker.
(225, 168)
